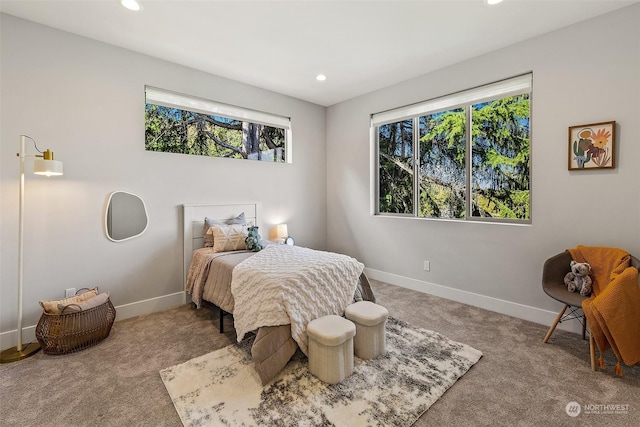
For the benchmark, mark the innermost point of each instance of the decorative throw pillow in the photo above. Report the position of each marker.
(51, 306)
(208, 223)
(229, 237)
(84, 305)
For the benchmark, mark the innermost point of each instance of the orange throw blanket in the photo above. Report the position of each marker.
(613, 311)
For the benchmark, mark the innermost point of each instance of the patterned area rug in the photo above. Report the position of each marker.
(222, 387)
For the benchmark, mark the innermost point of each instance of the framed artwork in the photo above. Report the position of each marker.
(592, 146)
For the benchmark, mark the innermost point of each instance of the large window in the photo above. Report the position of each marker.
(183, 124)
(462, 156)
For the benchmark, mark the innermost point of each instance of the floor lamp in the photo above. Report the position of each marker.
(42, 165)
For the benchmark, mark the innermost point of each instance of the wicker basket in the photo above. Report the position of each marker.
(69, 332)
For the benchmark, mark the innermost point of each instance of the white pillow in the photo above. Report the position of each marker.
(229, 237)
(208, 223)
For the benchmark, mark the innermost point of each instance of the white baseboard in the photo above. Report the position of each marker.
(10, 338)
(150, 305)
(514, 309)
(544, 317)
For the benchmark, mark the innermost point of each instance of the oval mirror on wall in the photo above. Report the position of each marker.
(125, 217)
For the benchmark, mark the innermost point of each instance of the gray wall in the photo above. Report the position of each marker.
(85, 101)
(586, 73)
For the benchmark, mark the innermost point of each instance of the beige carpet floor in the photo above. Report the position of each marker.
(519, 382)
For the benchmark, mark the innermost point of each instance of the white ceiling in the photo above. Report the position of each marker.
(282, 45)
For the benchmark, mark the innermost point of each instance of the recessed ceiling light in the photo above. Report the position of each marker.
(492, 2)
(321, 77)
(131, 4)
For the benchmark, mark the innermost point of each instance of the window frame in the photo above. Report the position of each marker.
(171, 99)
(517, 85)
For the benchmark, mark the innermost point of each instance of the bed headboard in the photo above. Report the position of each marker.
(193, 223)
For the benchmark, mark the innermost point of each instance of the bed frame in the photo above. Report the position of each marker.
(193, 222)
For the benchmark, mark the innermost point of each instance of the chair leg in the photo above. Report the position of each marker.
(592, 351)
(553, 327)
(584, 326)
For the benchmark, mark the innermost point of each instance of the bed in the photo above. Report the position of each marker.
(279, 322)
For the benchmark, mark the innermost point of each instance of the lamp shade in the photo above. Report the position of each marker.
(281, 231)
(47, 167)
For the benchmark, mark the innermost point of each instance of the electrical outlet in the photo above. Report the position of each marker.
(69, 292)
(427, 266)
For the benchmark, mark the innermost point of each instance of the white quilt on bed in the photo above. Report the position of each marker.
(284, 284)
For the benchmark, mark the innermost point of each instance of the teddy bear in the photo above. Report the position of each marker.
(578, 280)
(253, 240)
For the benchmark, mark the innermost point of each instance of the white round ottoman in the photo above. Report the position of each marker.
(331, 348)
(370, 320)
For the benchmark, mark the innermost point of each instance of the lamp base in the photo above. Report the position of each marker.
(13, 355)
